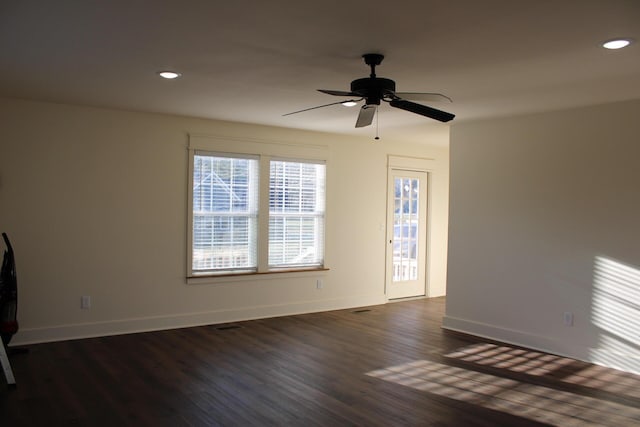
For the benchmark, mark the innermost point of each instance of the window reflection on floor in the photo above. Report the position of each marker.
(562, 369)
(534, 402)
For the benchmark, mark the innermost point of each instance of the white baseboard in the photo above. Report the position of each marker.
(497, 333)
(628, 361)
(146, 324)
(624, 361)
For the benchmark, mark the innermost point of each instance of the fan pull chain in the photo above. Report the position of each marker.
(377, 127)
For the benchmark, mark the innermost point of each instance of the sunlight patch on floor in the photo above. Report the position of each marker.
(535, 363)
(541, 404)
(510, 358)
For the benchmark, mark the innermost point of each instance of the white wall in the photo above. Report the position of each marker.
(95, 202)
(545, 219)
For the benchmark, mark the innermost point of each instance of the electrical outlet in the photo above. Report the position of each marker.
(567, 317)
(319, 284)
(85, 302)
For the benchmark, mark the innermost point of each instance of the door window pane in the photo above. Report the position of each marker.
(405, 229)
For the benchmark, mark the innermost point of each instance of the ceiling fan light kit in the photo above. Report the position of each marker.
(374, 89)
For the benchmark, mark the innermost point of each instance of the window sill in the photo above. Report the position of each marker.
(263, 275)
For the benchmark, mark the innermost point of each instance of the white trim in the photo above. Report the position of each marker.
(604, 357)
(189, 248)
(250, 276)
(224, 154)
(258, 146)
(263, 214)
(628, 362)
(418, 164)
(146, 324)
(498, 333)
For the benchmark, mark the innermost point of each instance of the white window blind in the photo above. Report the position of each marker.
(225, 213)
(296, 214)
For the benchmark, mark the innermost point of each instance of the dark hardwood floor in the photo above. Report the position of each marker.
(388, 365)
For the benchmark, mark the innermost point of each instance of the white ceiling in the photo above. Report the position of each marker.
(255, 60)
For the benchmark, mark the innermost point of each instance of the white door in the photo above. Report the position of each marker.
(406, 234)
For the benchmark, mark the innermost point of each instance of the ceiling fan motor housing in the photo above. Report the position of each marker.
(373, 89)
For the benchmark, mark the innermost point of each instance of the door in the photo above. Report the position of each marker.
(406, 234)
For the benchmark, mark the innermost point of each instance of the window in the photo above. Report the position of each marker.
(232, 227)
(296, 214)
(225, 213)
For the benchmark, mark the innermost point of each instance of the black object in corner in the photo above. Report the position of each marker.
(8, 294)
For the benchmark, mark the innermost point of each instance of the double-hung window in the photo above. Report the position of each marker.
(225, 213)
(296, 214)
(255, 214)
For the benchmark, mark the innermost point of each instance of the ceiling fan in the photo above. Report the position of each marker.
(374, 89)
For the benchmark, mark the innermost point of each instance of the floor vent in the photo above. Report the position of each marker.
(361, 311)
(227, 327)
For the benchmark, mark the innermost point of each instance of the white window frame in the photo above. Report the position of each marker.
(252, 212)
(319, 214)
(265, 151)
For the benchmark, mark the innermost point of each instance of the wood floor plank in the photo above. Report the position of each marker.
(389, 365)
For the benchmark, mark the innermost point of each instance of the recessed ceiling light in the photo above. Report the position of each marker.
(169, 74)
(616, 43)
(349, 103)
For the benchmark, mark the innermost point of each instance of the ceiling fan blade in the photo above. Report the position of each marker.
(424, 96)
(365, 118)
(320, 106)
(423, 110)
(337, 92)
